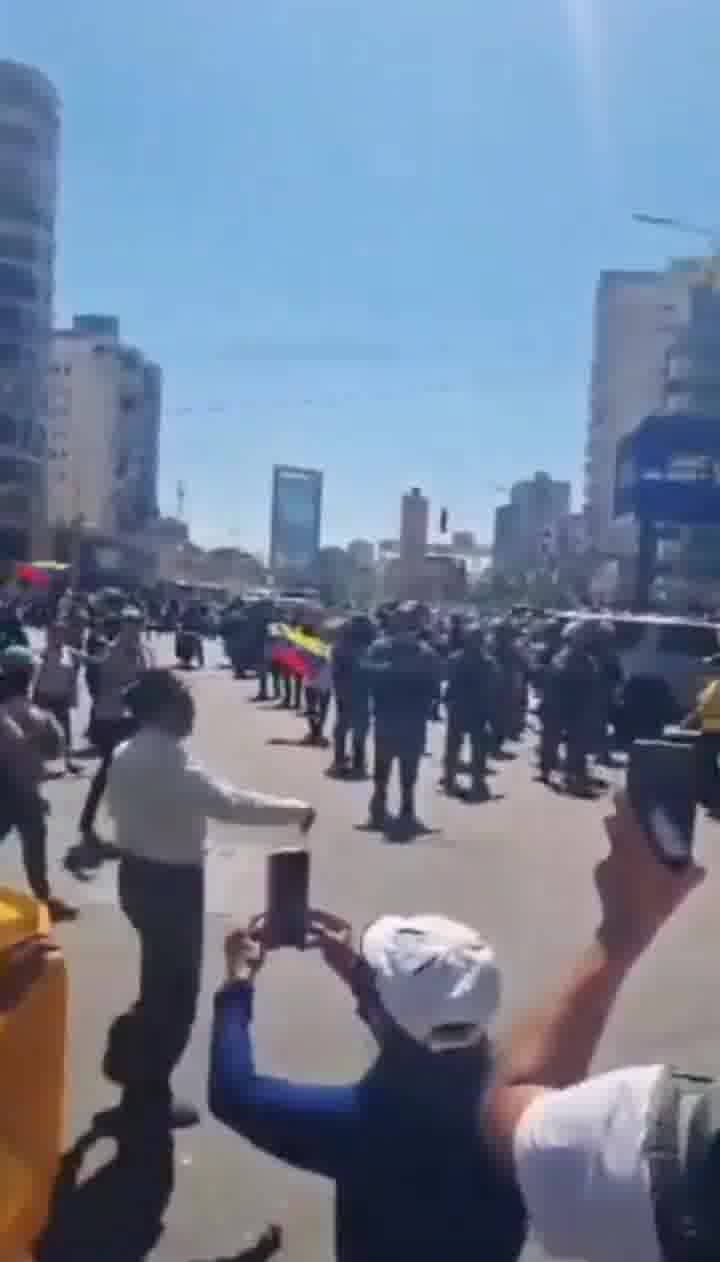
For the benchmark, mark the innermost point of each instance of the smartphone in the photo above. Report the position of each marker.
(662, 789)
(288, 889)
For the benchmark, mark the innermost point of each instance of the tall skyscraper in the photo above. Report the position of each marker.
(527, 527)
(414, 527)
(636, 320)
(29, 141)
(105, 402)
(296, 518)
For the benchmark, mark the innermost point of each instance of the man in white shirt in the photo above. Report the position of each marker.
(160, 801)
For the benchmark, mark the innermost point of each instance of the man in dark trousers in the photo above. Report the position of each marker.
(352, 695)
(513, 683)
(161, 801)
(471, 698)
(404, 675)
(569, 707)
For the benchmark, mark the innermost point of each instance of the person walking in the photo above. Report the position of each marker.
(123, 664)
(29, 737)
(160, 802)
(56, 685)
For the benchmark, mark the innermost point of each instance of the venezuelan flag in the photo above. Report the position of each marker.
(300, 654)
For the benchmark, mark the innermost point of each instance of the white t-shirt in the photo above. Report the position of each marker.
(582, 1169)
(160, 801)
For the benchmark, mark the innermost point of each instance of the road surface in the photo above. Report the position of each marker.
(520, 868)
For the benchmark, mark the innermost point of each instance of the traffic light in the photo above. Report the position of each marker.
(443, 521)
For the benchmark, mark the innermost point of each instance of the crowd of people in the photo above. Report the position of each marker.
(457, 1141)
(403, 668)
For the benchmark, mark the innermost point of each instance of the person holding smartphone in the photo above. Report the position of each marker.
(452, 1140)
(161, 800)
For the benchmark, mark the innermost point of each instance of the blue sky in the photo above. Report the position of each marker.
(363, 234)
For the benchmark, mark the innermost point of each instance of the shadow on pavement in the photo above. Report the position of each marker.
(117, 1214)
(266, 1247)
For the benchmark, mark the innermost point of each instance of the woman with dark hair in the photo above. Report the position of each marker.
(413, 1176)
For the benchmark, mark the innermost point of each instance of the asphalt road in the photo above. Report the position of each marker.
(520, 868)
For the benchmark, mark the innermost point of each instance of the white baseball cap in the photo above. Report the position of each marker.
(436, 978)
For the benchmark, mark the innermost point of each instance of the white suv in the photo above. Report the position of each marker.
(668, 652)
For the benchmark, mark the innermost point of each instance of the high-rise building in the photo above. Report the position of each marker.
(636, 319)
(527, 527)
(146, 503)
(362, 553)
(296, 518)
(504, 551)
(105, 404)
(464, 541)
(414, 527)
(29, 140)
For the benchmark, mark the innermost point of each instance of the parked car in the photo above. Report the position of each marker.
(662, 663)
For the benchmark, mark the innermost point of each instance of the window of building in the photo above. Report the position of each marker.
(21, 88)
(17, 282)
(16, 204)
(11, 320)
(8, 430)
(13, 471)
(10, 354)
(18, 249)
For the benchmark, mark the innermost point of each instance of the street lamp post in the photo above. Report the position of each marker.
(711, 237)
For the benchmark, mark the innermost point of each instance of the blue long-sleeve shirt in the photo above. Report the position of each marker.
(410, 1183)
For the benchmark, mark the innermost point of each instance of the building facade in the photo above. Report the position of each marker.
(504, 551)
(414, 528)
(526, 529)
(29, 144)
(362, 553)
(105, 406)
(296, 518)
(637, 317)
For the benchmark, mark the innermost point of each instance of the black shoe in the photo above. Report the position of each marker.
(377, 818)
(480, 792)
